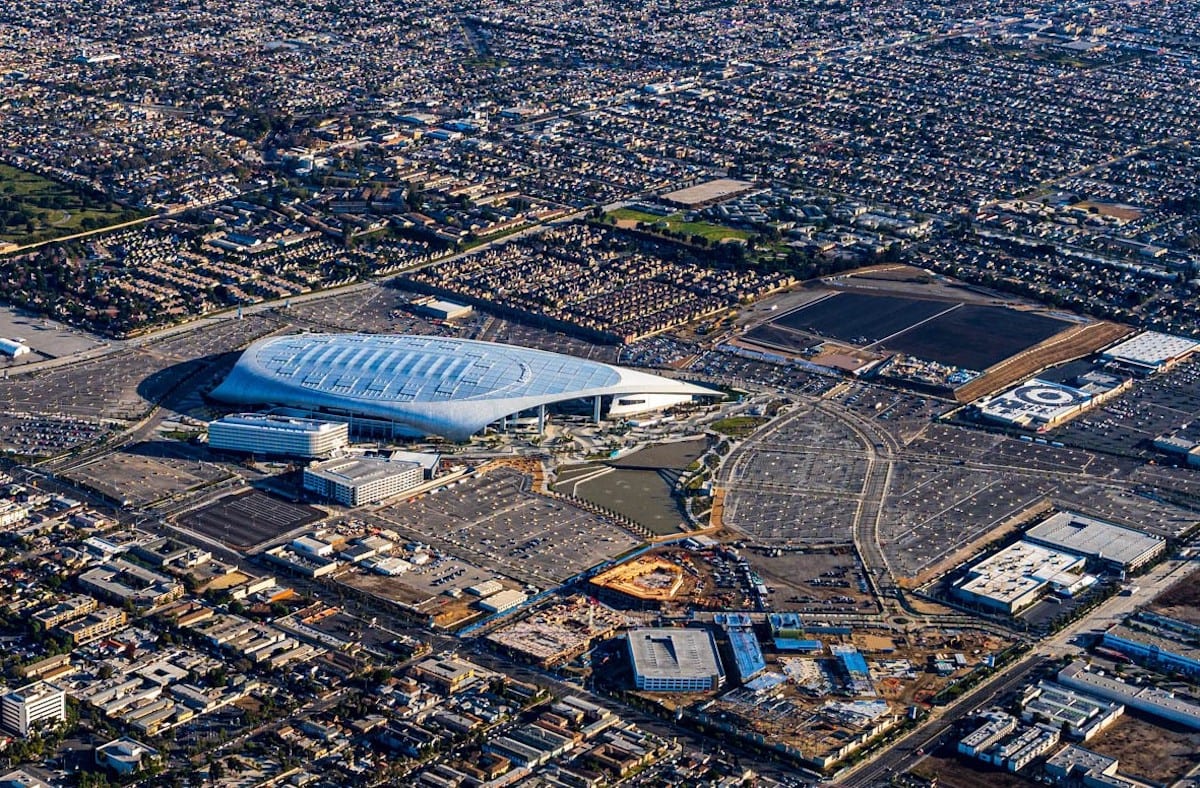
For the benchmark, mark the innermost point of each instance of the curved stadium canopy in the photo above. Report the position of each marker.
(431, 385)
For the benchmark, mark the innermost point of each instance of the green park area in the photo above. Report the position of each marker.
(738, 426)
(33, 208)
(714, 233)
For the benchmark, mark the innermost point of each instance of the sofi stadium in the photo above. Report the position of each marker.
(416, 385)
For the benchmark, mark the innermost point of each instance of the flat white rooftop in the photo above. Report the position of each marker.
(1096, 538)
(266, 421)
(1035, 401)
(1023, 568)
(1152, 348)
(357, 471)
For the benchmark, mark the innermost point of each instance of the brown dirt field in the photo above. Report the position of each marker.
(1067, 345)
(955, 772)
(893, 273)
(1181, 600)
(1150, 751)
(1126, 213)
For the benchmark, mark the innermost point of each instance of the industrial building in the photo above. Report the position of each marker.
(675, 660)
(1075, 765)
(1150, 700)
(1110, 546)
(282, 435)
(1167, 644)
(1019, 575)
(1150, 352)
(121, 581)
(1182, 445)
(503, 601)
(1078, 715)
(37, 703)
(13, 349)
(421, 385)
(441, 309)
(357, 481)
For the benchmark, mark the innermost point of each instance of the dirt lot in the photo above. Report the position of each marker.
(953, 771)
(1065, 346)
(826, 581)
(1149, 750)
(1181, 600)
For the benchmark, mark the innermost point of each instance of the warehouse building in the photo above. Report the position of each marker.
(13, 349)
(1150, 700)
(441, 309)
(357, 481)
(1150, 352)
(282, 435)
(1019, 575)
(1165, 643)
(1111, 546)
(675, 660)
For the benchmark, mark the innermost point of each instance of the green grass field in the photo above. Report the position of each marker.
(738, 426)
(675, 223)
(33, 208)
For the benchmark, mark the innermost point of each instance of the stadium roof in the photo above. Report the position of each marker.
(431, 385)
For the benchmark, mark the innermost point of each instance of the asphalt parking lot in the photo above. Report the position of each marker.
(495, 521)
(249, 519)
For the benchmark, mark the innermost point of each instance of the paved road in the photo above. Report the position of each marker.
(909, 751)
(903, 755)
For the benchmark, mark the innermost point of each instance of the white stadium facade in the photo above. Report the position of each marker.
(419, 385)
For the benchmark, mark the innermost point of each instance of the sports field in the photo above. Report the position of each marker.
(861, 318)
(976, 336)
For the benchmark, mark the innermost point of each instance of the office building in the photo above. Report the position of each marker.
(356, 481)
(21, 710)
(278, 435)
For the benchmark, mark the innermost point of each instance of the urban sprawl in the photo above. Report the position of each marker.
(593, 393)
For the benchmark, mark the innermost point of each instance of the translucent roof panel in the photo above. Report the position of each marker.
(452, 387)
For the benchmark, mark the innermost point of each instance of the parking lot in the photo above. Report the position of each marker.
(146, 472)
(124, 384)
(933, 511)
(495, 520)
(27, 435)
(46, 338)
(797, 482)
(1129, 424)
(245, 520)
